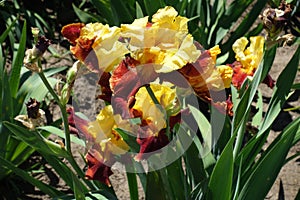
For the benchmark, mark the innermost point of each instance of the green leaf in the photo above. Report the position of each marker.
(88, 196)
(152, 6)
(177, 180)
(133, 187)
(60, 133)
(7, 100)
(5, 33)
(139, 11)
(104, 9)
(34, 87)
(46, 188)
(20, 153)
(263, 175)
(121, 9)
(244, 105)
(79, 195)
(154, 189)
(238, 181)
(37, 141)
(85, 17)
(257, 118)
(268, 62)
(194, 166)
(223, 138)
(38, 91)
(281, 91)
(17, 63)
(220, 182)
(297, 137)
(296, 86)
(64, 172)
(129, 139)
(205, 129)
(200, 192)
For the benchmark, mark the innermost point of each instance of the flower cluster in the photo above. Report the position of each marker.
(142, 66)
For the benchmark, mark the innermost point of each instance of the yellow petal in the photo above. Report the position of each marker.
(250, 57)
(177, 58)
(214, 51)
(238, 47)
(167, 18)
(102, 129)
(226, 73)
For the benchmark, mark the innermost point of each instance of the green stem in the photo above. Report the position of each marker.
(61, 106)
(152, 95)
(66, 129)
(80, 173)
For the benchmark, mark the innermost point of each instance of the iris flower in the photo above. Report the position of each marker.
(247, 58)
(133, 60)
(95, 44)
(204, 76)
(164, 42)
(151, 135)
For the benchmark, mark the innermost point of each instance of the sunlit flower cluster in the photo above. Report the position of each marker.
(138, 64)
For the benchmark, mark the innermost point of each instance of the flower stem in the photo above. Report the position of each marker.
(61, 106)
(152, 95)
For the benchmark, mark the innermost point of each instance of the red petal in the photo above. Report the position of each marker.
(72, 32)
(224, 107)
(97, 170)
(150, 144)
(239, 75)
(82, 48)
(106, 92)
(269, 81)
(194, 74)
(78, 125)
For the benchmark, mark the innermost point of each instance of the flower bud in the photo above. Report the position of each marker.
(35, 31)
(275, 20)
(33, 108)
(31, 55)
(35, 116)
(65, 94)
(71, 74)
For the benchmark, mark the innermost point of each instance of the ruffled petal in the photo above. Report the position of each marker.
(97, 170)
(72, 32)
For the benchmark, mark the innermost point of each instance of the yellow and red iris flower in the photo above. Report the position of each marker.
(96, 45)
(135, 56)
(152, 132)
(247, 59)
